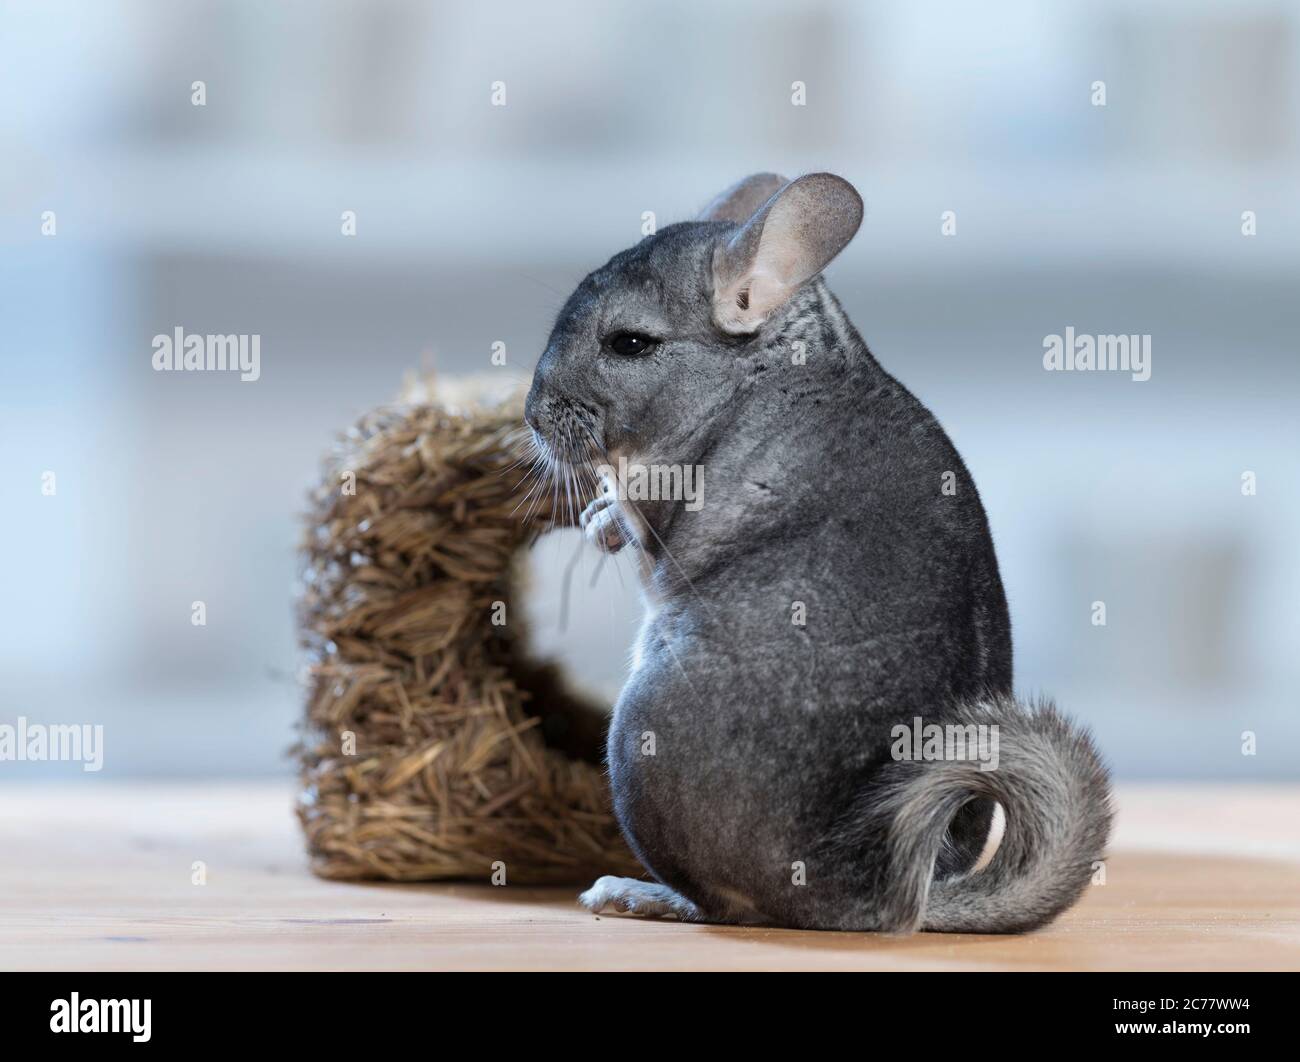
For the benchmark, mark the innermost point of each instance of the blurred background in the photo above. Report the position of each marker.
(473, 221)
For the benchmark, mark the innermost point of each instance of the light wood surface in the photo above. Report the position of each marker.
(98, 876)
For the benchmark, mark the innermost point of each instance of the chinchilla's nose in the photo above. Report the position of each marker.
(533, 407)
(539, 406)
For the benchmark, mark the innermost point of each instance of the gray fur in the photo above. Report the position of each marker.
(772, 739)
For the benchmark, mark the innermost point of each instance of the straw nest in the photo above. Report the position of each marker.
(433, 746)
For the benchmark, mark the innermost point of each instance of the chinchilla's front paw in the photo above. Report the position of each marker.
(603, 526)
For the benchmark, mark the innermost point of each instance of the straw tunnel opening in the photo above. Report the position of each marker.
(581, 614)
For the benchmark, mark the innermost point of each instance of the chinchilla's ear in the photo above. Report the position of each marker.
(739, 202)
(789, 240)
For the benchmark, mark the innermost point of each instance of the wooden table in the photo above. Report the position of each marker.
(99, 876)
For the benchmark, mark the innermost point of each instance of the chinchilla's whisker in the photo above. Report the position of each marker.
(555, 491)
(600, 564)
(565, 587)
(538, 491)
(524, 456)
(537, 476)
(568, 479)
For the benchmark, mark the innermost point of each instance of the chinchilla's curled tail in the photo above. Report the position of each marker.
(1055, 794)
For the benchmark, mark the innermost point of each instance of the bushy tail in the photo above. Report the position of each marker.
(1055, 793)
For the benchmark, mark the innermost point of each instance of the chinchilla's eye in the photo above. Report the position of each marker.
(630, 344)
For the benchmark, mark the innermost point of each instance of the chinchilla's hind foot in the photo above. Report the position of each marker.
(648, 899)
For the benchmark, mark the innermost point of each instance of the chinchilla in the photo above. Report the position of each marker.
(818, 727)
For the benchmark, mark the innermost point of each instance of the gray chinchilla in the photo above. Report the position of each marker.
(818, 727)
